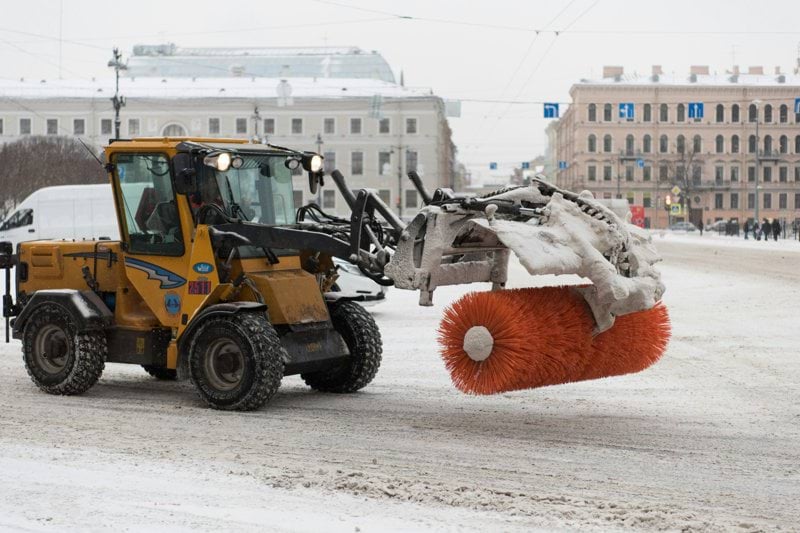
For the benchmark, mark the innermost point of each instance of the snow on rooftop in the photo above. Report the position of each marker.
(182, 88)
(727, 79)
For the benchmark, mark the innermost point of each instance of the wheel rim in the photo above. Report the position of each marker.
(224, 364)
(51, 349)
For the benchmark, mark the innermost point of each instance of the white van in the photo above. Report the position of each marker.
(63, 212)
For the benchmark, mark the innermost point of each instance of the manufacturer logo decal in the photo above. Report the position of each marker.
(201, 286)
(203, 268)
(172, 303)
(169, 280)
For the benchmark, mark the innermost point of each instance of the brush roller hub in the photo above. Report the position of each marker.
(478, 343)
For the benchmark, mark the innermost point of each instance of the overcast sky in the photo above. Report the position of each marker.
(477, 50)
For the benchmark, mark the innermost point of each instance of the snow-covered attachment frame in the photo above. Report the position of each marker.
(456, 240)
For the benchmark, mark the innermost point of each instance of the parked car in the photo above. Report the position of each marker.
(356, 286)
(719, 226)
(683, 226)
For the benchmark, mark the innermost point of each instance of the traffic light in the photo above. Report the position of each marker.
(667, 202)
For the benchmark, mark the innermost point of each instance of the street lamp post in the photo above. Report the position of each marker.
(117, 100)
(758, 162)
(319, 151)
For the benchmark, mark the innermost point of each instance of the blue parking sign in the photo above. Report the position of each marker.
(640, 163)
(695, 109)
(492, 166)
(626, 111)
(562, 165)
(526, 165)
(550, 110)
(797, 105)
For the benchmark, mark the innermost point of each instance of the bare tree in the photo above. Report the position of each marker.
(41, 161)
(684, 171)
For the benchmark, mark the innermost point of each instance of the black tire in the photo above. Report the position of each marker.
(60, 359)
(159, 372)
(363, 339)
(236, 362)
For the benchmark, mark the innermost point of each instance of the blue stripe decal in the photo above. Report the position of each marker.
(169, 280)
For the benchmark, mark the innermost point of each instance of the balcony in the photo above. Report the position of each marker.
(631, 155)
(770, 155)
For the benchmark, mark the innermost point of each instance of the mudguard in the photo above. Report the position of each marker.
(85, 307)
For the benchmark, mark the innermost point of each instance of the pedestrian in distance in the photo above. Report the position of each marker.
(776, 228)
(746, 229)
(756, 231)
(766, 229)
(700, 227)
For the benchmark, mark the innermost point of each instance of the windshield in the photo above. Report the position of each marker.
(261, 187)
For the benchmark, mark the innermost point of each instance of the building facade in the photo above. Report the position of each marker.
(373, 131)
(639, 137)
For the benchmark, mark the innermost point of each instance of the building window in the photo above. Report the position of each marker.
(52, 126)
(629, 145)
(647, 200)
(797, 174)
(297, 198)
(241, 126)
(411, 161)
(681, 117)
(719, 173)
(752, 113)
(734, 144)
(1, 126)
(297, 126)
(328, 199)
(133, 126)
(213, 126)
(631, 198)
(797, 200)
(767, 174)
(797, 144)
(591, 144)
(718, 198)
(751, 200)
(697, 174)
(783, 114)
(783, 174)
(734, 200)
(663, 172)
(411, 126)
(647, 173)
(411, 198)
(355, 126)
(697, 144)
(680, 144)
(79, 126)
(592, 114)
(385, 195)
(751, 174)
(269, 126)
(357, 163)
(751, 144)
(105, 126)
(607, 145)
(767, 113)
(647, 144)
(607, 112)
(384, 163)
(720, 113)
(663, 144)
(719, 144)
(591, 172)
(734, 173)
(628, 172)
(783, 144)
(607, 173)
(663, 113)
(328, 162)
(647, 113)
(385, 126)
(767, 200)
(329, 126)
(782, 200)
(768, 144)
(173, 130)
(735, 113)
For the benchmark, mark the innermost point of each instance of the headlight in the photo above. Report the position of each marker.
(220, 161)
(316, 163)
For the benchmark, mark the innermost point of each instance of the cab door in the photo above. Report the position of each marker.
(153, 234)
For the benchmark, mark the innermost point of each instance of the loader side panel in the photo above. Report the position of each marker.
(292, 295)
(59, 265)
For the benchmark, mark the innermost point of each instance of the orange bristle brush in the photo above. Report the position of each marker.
(525, 338)
(517, 339)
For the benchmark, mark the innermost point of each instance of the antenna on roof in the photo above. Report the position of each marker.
(91, 152)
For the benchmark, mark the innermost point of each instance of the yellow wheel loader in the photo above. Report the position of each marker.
(218, 278)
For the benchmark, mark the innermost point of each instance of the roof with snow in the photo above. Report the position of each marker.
(184, 88)
(171, 61)
(728, 79)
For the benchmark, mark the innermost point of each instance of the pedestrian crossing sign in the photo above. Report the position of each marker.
(675, 209)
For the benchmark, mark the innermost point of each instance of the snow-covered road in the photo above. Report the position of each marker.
(708, 439)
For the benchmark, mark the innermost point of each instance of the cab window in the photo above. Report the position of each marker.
(148, 201)
(21, 218)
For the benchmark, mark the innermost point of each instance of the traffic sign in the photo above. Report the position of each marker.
(492, 166)
(675, 209)
(526, 165)
(676, 190)
(640, 163)
(562, 165)
(695, 109)
(797, 105)
(550, 110)
(626, 111)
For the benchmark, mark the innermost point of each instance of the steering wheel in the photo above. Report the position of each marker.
(210, 214)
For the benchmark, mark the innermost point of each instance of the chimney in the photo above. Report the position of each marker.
(777, 71)
(612, 72)
(756, 70)
(699, 70)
